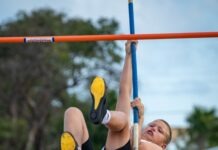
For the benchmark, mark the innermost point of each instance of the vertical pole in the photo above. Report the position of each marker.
(134, 76)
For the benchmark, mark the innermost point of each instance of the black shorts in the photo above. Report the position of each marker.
(87, 145)
(127, 146)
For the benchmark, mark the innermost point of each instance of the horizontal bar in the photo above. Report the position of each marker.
(107, 37)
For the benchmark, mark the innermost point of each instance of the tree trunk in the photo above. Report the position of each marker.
(31, 137)
(201, 143)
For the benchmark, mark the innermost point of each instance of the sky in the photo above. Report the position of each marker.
(174, 75)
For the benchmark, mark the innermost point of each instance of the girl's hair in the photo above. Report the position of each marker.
(169, 136)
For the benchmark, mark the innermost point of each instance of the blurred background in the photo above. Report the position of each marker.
(178, 79)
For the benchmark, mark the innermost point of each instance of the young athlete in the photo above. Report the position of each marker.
(155, 136)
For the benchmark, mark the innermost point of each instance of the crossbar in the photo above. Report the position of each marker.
(106, 37)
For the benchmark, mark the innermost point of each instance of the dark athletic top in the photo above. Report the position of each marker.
(127, 146)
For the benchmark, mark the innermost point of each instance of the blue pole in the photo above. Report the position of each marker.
(134, 77)
(134, 62)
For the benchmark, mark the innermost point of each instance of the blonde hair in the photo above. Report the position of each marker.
(169, 135)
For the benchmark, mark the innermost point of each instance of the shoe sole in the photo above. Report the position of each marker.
(68, 142)
(97, 90)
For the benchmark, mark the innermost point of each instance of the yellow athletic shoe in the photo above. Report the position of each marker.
(98, 93)
(68, 142)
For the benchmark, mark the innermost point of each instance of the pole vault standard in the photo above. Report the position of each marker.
(107, 37)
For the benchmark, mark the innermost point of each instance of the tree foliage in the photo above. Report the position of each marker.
(202, 130)
(35, 78)
(203, 127)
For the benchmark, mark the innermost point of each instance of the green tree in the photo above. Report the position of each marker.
(201, 132)
(202, 129)
(35, 78)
